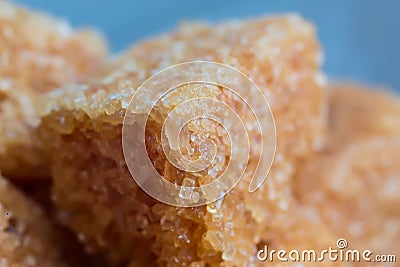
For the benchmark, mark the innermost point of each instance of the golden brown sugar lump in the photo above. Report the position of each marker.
(94, 191)
(357, 189)
(72, 251)
(354, 181)
(361, 112)
(27, 238)
(38, 54)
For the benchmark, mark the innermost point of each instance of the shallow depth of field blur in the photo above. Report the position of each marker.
(361, 38)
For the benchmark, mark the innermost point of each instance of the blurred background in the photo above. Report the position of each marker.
(361, 38)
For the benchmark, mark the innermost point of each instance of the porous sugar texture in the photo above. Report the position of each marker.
(27, 238)
(352, 185)
(94, 191)
(37, 54)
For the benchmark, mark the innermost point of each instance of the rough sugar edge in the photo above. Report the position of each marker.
(118, 85)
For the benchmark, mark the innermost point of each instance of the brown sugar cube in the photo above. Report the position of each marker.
(37, 55)
(352, 185)
(27, 238)
(94, 190)
(360, 112)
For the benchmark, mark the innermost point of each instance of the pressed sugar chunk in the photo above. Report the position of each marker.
(94, 190)
(37, 55)
(27, 238)
(351, 186)
(361, 112)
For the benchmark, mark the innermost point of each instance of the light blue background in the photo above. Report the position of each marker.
(361, 38)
